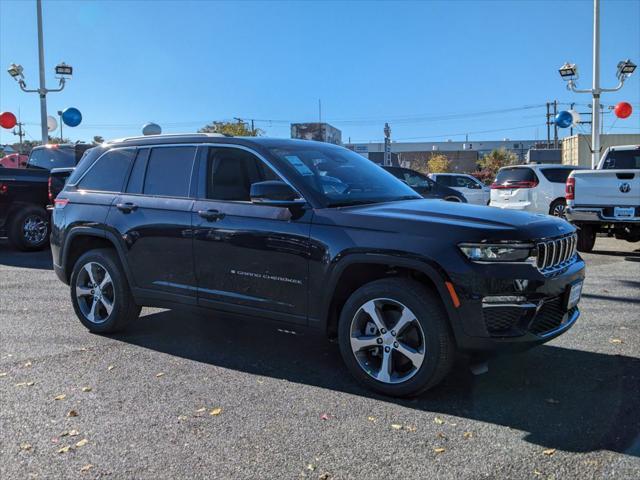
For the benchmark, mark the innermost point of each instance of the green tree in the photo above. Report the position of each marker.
(496, 159)
(439, 163)
(58, 140)
(97, 140)
(236, 129)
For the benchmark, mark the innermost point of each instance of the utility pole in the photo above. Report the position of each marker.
(60, 115)
(548, 126)
(387, 145)
(555, 127)
(19, 133)
(571, 129)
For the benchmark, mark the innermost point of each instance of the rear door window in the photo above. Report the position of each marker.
(556, 175)
(109, 172)
(169, 171)
(446, 180)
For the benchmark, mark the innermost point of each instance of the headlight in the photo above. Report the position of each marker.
(499, 252)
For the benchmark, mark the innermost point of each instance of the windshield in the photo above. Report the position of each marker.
(342, 177)
(622, 160)
(48, 158)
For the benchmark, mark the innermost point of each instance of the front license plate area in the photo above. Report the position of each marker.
(624, 212)
(574, 293)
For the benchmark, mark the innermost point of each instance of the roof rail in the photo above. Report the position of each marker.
(166, 135)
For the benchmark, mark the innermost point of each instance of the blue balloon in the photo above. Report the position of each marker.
(71, 117)
(563, 119)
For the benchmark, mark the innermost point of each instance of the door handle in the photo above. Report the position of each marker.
(126, 207)
(211, 215)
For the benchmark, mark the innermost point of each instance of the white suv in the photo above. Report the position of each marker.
(473, 189)
(538, 188)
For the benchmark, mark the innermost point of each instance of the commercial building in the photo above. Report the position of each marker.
(463, 156)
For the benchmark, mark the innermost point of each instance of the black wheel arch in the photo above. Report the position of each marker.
(430, 274)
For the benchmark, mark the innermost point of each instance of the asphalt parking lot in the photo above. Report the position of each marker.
(186, 396)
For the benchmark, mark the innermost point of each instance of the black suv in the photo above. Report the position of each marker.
(316, 237)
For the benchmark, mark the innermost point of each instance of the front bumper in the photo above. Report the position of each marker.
(598, 215)
(512, 311)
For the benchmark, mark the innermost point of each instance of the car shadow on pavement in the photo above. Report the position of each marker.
(11, 257)
(561, 398)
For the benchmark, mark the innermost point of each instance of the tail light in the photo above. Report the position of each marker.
(520, 184)
(570, 191)
(4, 188)
(60, 202)
(49, 190)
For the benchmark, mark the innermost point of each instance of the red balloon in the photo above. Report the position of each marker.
(7, 120)
(622, 110)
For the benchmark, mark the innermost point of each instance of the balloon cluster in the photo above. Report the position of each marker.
(70, 117)
(571, 118)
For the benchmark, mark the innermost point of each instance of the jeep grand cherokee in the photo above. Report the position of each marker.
(313, 236)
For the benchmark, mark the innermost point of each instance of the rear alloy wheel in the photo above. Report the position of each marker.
(394, 337)
(100, 292)
(452, 199)
(558, 208)
(29, 229)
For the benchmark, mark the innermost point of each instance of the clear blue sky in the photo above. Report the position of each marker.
(426, 67)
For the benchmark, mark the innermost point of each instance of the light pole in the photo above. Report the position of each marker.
(569, 73)
(62, 70)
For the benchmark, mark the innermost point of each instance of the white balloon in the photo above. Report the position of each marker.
(575, 117)
(52, 123)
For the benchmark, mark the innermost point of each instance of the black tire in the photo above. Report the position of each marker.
(452, 199)
(29, 229)
(123, 307)
(586, 238)
(439, 347)
(558, 208)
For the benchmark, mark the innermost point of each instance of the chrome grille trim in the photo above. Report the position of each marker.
(556, 253)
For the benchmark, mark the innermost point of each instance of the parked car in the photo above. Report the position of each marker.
(24, 195)
(469, 186)
(425, 186)
(313, 237)
(538, 188)
(14, 160)
(607, 199)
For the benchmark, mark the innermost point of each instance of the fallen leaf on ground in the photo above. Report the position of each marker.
(200, 410)
(439, 450)
(311, 467)
(86, 389)
(324, 476)
(21, 384)
(410, 428)
(441, 435)
(324, 416)
(371, 419)
(28, 364)
(616, 340)
(537, 472)
(82, 442)
(64, 449)
(182, 417)
(73, 433)
(72, 413)
(467, 435)
(86, 468)
(3, 374)
(62, 396)
(161, 374)
(396, 426)
(215, 411)
(438, 421)
(25, 446)
(30, 384)
(552, 401)
(549, 451)
(110, 367)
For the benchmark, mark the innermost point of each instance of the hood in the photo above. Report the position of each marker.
(436, 217)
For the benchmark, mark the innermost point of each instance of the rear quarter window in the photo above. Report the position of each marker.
(556, 175)
(109, 172)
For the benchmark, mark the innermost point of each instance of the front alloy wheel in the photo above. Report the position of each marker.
(95, 292)
(387, 340)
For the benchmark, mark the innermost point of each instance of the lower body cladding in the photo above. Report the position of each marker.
(517, 313)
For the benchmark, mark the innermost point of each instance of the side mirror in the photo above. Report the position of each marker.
(275, 193)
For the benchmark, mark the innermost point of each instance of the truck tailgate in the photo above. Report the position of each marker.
(606, 188)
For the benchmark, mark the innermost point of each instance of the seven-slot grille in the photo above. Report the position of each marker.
(555, 252)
